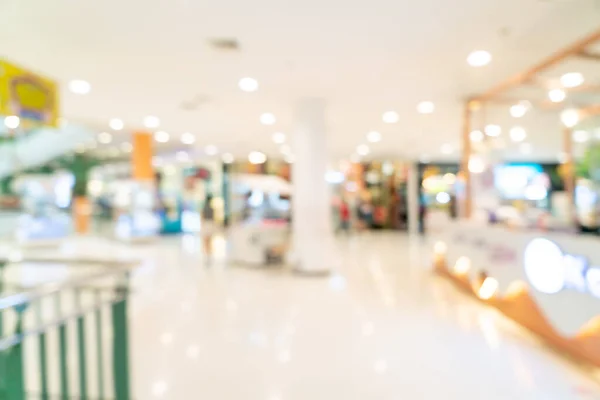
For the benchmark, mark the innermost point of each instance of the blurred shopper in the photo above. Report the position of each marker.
(208, 226)
(344, 217)
(365, 214)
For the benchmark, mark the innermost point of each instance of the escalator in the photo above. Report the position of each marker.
(39, 147)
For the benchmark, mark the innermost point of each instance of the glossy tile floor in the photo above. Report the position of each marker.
(380, 327)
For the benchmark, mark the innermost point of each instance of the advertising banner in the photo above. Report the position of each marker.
(30, 96)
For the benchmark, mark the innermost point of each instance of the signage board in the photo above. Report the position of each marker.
(562, 270)
(31, 97)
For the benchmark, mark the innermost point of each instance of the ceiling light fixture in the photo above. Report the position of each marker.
(104, 137)
(476, 136)
(228, 158)
(151, 122)
(518, 134)
(211, 150)
(557, 95)
(12, 122)
(248, 84)
(493, 130)
(279, 137)
(479, 58)
(571, 79)
(256, 157)
(161, 136)
(267, 119)
(570, 117)
(79, 86)
(116, 124)
(374, 137)
(362, 150)
(426, 107)
(188, 138)
(182, 156)
(390, 117)
(581, 136)
(518, 110)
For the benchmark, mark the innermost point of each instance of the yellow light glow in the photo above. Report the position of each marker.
(462, 265)
(440, 248)
(488, 289)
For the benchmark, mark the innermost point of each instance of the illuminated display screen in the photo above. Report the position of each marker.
(521, 181)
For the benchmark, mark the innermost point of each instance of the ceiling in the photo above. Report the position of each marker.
(148, 57)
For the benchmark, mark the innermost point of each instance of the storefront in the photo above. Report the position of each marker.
(518, 246)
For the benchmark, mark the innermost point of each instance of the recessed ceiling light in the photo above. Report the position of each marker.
(279, 137)
(211, 150)
(161, 136)
(289, 158)
(374, 137)
(228, 158)
(518, 110)
(79, 86)
(525, 148)
(267, 119)
(256, 157)
(104, 137)
(493, 130)
(571, 79)
(188, 138)
(479, 58)
(447, 149)
(182, 156)
(476, 136)
(126, 147)
(248, 84)
(557, 95)
(426, 107)
(570, 117)
(362, 150)
(12, 122)
(518, 134)
(581, 136)
(390, 117)
(116, 124)
(150, 121)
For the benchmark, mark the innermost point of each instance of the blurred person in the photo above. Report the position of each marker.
(365, 214)
(208, 226)
(344, 217)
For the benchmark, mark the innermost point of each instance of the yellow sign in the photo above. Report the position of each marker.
(31, 97)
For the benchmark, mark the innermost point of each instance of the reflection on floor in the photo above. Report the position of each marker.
(380, 327)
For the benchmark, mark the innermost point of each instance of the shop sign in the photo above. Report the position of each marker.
(550, 270)
(31, 97)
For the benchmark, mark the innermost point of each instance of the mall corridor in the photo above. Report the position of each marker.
(380, 327)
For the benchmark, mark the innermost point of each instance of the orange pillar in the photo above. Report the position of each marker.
(82, 211)
(141, 158)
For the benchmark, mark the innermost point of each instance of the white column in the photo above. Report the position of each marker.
(412, 194)
(311, 206)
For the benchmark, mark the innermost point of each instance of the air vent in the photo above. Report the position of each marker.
(224, 44)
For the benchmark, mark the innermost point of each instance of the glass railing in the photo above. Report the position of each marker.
(40, 146)
(65, 338)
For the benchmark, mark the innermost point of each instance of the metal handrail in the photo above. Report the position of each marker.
(47, 289)
(13, 385)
